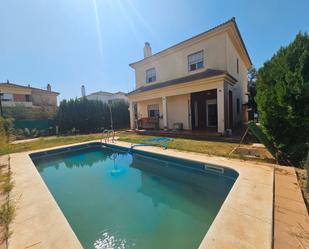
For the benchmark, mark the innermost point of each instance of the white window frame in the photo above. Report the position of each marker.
(154, 107)
(196, 59)
(210, 102)
(151, 75)
(7, 97)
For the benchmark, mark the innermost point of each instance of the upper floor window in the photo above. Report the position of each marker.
(151, 75)
(237, 65)
(6, 97)
(196, 61)
(28, 98)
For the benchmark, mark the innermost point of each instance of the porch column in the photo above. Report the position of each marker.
(132, 119)
(164, 105)
(220, 110)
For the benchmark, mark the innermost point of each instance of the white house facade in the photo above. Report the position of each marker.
(200, 83)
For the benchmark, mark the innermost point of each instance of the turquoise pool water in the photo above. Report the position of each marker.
(114, 199)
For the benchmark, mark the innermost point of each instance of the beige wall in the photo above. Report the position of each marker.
(232, 56)
(178, 110)
(240, 89)
(142, 108)
(43, 98)
(15, 90)
(175, 64)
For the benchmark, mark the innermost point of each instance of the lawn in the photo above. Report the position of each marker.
(205, 147)
(199, 146)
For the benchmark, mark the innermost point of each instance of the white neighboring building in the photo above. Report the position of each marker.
(105, 97)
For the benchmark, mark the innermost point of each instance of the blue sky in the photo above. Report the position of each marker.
(72, 42)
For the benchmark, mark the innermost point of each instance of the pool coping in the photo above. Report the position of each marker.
(245, 219)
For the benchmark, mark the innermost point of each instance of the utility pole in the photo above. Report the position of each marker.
(1, 110)
(110, 110)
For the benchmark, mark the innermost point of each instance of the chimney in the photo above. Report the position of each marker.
(48, 87)
(147, 50)
(83, 91)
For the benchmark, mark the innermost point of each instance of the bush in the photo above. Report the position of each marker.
(85, 116)
(283, 99)
(20, 112)
(6, 128)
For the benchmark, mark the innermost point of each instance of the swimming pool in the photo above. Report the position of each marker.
(116, 199)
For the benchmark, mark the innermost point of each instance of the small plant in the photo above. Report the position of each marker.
(7, 212)
(28, 133)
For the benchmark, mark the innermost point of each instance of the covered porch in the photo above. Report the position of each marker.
(205, 105)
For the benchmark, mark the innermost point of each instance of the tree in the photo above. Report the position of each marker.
(252, 74)
(86, 116)
(283, 99)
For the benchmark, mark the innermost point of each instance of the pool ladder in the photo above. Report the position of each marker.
(107, 135)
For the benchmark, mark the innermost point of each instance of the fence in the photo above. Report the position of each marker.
(39, 124)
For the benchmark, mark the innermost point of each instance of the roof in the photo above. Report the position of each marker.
(205, 74)
(102, 93)
(232, 20)
(27, 87)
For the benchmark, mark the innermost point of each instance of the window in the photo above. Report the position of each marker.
(28, 99)
(151, 75)
(238, 106)
(237, 65)
(153, 111)
(7, 97)
(196, 61)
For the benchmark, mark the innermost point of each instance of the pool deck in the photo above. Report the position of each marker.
(291, 221)
(244, 220)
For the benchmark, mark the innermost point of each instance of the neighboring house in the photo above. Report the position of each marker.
(200, 82)
(13, 95)
(105, 97)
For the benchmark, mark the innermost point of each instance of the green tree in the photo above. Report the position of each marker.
(252, 74)
(283, 99)
(86, 116)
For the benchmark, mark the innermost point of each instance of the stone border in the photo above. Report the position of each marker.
(291, 220)
(244, 220)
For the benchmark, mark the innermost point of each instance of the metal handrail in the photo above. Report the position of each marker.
(109, 134)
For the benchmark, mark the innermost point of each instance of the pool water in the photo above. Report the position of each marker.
(115, 199)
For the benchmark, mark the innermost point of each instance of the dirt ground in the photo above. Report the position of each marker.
(302, 179)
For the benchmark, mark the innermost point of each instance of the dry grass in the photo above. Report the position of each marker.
(302, 180)
(205, 147)
(7, 208)
(47, 142)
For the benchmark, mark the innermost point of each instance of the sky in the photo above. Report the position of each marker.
(69, 43)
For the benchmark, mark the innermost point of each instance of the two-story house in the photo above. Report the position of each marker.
(13, 95)
(105, 97)
(200, 82)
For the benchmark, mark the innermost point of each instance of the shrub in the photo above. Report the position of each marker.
(20, 112)
(283, 99)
